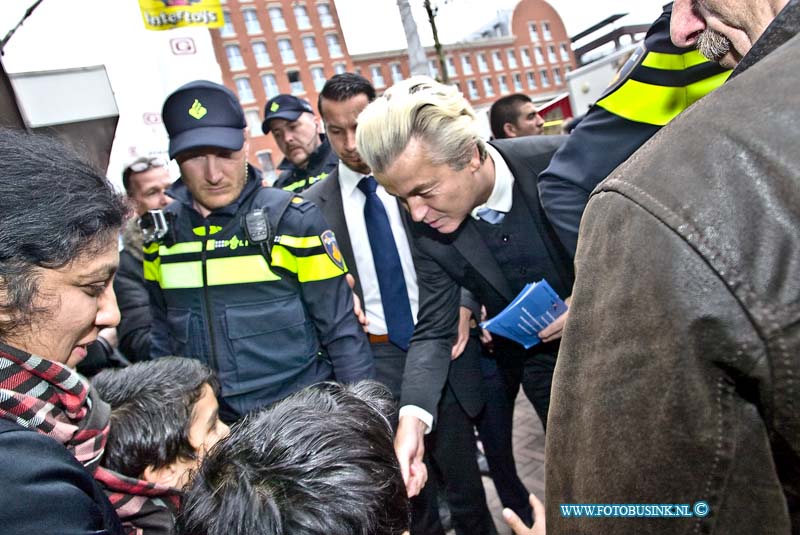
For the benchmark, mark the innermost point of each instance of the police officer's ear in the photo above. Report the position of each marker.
(510, 130)
(246, 145)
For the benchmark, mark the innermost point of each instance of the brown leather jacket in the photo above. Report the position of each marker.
(678, 379)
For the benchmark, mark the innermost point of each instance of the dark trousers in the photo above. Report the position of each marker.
(495, 426)
(534, 371)
(450, 459)
(453, 469)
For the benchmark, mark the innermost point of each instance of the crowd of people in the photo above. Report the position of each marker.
(306, 358)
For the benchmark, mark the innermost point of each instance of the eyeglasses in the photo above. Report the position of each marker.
(140, 165)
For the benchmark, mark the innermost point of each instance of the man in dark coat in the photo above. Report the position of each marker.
(677, 377)
(479, 225)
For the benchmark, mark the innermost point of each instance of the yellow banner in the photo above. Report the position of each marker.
(168, 14)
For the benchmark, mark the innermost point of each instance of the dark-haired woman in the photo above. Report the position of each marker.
(59, 221)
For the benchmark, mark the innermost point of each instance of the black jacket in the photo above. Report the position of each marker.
(321, 163)
(462, 259)
(464, 375)
(268, 329)
(46, 491)
(132, 298)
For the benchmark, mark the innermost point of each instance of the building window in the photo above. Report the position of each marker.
(503, 85)
(433, 67)
(244, 90)
(287, 53)
(533, 31)
(451, 67)
(377, 76)
(517, 82)
(334, 48)
(526, 57)
(267, 167)
(512, 59)
(301, 16)
(556, 76)
(545, 79)
(488, 89)
(261, 54)
(253, 122)
(531, 80)
(318, 75)
(564, 52)
(546, 31)
(497, 61)
(466, 64)
(227, 27)
(235, 60)
(277, 20)
(339, 68)
(473, 90)
(551, 53)
(537, 53)
(397, 73)
(251, 21)
(325, 17)
(295, 82)
(270, 85)
(482, 65)
(310, 46)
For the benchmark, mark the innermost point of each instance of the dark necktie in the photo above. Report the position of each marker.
(392, 284)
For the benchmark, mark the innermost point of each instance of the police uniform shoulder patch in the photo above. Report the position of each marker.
(299, 203)
(328, 239)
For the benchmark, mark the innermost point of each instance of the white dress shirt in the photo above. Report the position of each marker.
(502, 194)
(353, 200)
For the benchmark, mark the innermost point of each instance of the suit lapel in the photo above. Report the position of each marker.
(472, 247)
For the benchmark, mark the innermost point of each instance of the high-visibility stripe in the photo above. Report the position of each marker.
(306, 242)
(201, 231)
(673, 62)
(307, 268)
(219, 272)
(657, 105)
(239, 270)
(151, 269)
(294, 185)
(181, 275)
(151, 248)
(181, 248)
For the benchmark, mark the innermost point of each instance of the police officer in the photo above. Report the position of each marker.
(308, 157)
(658, 82)
(249, 280)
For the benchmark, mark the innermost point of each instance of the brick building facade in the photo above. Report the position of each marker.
(268, 47)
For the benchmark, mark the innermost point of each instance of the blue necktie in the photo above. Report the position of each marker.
(392, 284)
(492, 217)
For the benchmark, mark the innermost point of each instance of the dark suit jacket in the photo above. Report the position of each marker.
(463, 374)
(446, 261)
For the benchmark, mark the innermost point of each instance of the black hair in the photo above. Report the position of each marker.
(343, 87)
(506, 110)
(54, 207)
(151, 412)
(320, 461)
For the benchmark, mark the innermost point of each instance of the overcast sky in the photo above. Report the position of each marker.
(375, 25)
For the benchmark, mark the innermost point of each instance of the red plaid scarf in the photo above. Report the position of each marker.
(54, 400)
(141, 506)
